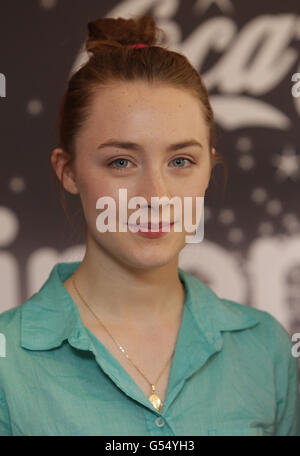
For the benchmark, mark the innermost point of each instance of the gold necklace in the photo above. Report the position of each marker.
(155, 400)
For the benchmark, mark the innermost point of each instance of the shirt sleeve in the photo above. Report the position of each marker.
(286, 382)
(5, 428)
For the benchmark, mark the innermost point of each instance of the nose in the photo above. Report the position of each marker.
(154, 184)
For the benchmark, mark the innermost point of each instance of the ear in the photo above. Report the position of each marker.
(58, 159)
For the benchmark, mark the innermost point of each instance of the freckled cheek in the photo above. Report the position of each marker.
(91, 189)
(197, 186)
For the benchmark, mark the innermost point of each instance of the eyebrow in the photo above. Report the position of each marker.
(139, 148)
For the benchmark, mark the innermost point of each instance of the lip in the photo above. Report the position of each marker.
(146, 230)
(156, 226)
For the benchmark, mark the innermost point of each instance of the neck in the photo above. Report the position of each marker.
(122, 295)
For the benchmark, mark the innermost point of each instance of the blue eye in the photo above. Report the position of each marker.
(181, 158)
(124, 160)
(120, 160)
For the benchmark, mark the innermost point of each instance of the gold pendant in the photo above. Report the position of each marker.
(155, 399)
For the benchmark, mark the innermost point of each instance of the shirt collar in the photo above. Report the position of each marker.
(50, 316)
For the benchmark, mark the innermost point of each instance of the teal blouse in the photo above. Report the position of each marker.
(232, 373)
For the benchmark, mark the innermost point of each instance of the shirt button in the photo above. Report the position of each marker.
(159, 422)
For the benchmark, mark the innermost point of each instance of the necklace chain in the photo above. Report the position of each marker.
(123, 349)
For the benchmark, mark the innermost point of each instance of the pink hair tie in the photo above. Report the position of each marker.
(139, 45)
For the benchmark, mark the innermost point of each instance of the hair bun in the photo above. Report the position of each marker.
(121, 32)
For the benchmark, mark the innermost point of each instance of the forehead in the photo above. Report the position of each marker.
(139, 106)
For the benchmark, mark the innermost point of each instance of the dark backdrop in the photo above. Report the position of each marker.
(247, 53)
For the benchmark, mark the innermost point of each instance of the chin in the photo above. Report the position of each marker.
(151, 264)
(149, 258)
(147, 254)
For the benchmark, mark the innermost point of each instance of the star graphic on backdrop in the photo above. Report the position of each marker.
(244, 144)
(47, 4)
(17, 184)
(265, 228)
(274, 207)
(235, 235)
(291, 223)
(259, 195)
(226, 216)
(246, 162)
(224, 5)
(287, 164)
(34, 107)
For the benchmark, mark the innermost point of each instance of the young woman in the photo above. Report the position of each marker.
(125, 342)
